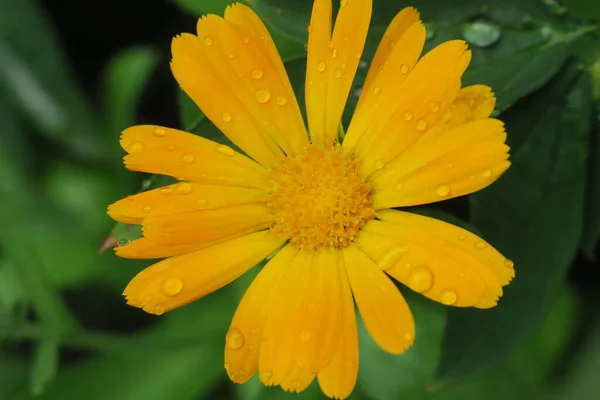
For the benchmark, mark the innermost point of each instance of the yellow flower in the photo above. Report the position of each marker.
(323, 208)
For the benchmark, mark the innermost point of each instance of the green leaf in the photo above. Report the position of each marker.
(591, 225)
(13, 375)
(586, 9)
(125, 79)
(34, 73)
(386, 376)
(534, 216)
(45, 365)
(203, 7)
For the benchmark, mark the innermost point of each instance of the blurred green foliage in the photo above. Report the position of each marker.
(65, 332)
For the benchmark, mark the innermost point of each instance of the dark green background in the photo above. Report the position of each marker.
(74, 74)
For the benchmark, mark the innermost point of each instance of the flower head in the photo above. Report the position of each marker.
(322, 205)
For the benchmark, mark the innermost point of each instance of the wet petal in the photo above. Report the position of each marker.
(382, 308)
(144, 248)
(177, 281)
(184, 156)
(246, 329)
(332, 63)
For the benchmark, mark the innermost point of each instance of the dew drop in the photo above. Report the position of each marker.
(321, 66)
(226, 116)
(263, 95)
(481, 33)
(184, 188)
(422, 125)
(147, 298)
(408, 116)
(343, 3)
(391, 44)
(420, 279)
(123, 242)
(434, 107)
(487, 173)
(234, 339)
(390, 258)
(281, 101)
(166, 190)
(443, 190)
(257, 74)
(208, 41)
(379, 164)
(404, 68)
(188, 159)
(334, 53)
(338, 73)
(172, 286)
(448, 297)
(408, 337)
(160, 132)
(462, 238)
(308, 28)
(480, 245)
(135, 147)
(147, 208)
(509, 263)
(376, 90)
(227, 367)
(228, 151)
(245, 40)
(159, 310)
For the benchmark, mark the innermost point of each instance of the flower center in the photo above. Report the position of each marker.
(319, 198)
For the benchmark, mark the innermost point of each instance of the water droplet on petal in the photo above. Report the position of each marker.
(188, 159)
(228, 151)
(481, 33)
(338, 73)
(408, 337)
(422, 125)
(123, 242)
(147, 208)
(420, 279)
(487, 173)
(160, 132)
(443, 190)
(263, 95)
(391, 44)
(184, 188)
(404, 68)
(172, 286)
(166, 190)
(321, 66)
(281, 101)
(480, 245)
(334, 53)
(376, 90)
(135, 147)
(257, 74)
(434, 107)
(226, 116)
(308, 28)
(448, 297)
(208, 41)
(391, 257)
(159, 310)
(408, 116)
(343, 3)
(462, 238)
(245, 40)
(379, 164)
(234, 339)
(509, 263)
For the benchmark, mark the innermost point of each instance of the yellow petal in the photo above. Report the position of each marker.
(177, 281)
(182, 198)
(332, 62)
(338, 378)
(426, 94)
(444, 164)
(297, 380)
(382, 308)
(207, 225)
(426, 269)
(245, 332)
(179, 154)
(144, 248)
(452, 242)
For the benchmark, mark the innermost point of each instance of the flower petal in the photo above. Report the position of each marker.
(382, 308)
(183, 197)
(177, 281)
(332, 63)
(166, 151)
(338, 378)
(426, 269)
(397, 54)
(297, 380)
(448, 242)
(207, 225)
(144, 248)
(444, 164)
(246, 329)
(426, 94)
